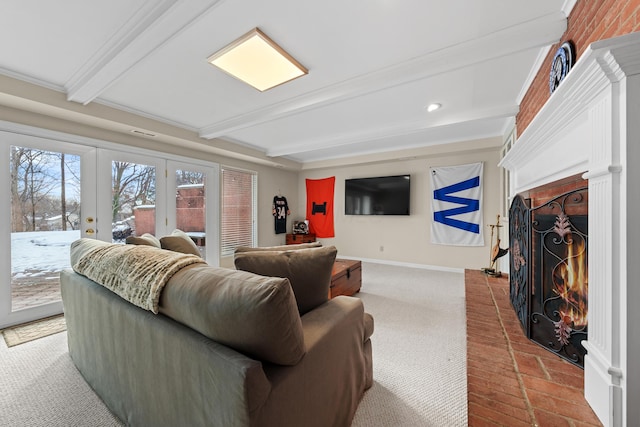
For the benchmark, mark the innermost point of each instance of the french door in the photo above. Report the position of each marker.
(131, 193)
(51, 189)
(61, 191)
(191, 192)
(154, 195)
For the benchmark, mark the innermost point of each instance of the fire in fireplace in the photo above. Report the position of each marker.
(548, 274)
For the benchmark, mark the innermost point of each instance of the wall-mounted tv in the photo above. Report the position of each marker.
(384, 195)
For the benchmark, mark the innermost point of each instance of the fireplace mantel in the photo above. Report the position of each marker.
(591, 125)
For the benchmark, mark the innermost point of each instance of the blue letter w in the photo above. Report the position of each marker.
(468, 205)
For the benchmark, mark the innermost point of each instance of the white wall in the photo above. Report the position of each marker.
(407, 239)
(271, 182)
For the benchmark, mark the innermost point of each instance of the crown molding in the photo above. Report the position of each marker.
(30, 79)
(568, 5)
(151, 26)
(537, 33)
(393, 131)
(533, 72)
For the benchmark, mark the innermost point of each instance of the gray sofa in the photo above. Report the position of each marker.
(226, 348)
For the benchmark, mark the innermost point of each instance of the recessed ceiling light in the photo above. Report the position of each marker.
(258, 61)
(433, 107)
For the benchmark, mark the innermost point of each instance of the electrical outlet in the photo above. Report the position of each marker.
(381, 248)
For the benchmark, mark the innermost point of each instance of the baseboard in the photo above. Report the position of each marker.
(599, 392)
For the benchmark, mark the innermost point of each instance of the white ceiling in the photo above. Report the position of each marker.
(374, 65)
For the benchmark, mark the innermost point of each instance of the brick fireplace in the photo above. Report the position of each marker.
(548, 240)
(590, 126)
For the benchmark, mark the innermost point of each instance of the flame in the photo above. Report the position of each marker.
(572, 284)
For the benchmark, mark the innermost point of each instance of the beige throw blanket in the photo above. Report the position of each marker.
(135, 272)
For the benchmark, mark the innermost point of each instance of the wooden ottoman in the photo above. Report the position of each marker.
(293, 239)
(346, 277)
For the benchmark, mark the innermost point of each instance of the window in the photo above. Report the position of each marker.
(505, 178)
(239, 205)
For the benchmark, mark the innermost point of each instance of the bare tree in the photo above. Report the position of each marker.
(17, 211)
(133, 184)
(69, 177)
(63, 195)
(35, 180)
(184, 177)
(31, 183)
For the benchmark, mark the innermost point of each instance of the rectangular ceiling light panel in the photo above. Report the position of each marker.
(258, 61)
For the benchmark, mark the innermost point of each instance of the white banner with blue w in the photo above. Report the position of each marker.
(456, 204)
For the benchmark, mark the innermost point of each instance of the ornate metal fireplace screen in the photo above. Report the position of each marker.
(548, 271)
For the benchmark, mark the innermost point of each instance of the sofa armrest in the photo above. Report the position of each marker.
(340, 317)
(325, 387)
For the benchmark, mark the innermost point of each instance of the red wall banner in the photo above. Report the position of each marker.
(320, 206)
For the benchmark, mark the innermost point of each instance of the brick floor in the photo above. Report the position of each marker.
(512, 381)
(31, 292)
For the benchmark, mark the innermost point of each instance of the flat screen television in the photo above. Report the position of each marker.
(384, 195)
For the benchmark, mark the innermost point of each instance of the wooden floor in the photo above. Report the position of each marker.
(512, 381)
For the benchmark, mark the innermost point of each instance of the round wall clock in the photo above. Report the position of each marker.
(560, 66)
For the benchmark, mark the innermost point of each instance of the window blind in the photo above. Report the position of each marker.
(239, 207)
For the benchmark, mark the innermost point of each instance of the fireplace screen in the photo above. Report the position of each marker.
(519, 240)
(549, 279)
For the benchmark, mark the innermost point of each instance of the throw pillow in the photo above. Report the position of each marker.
(179, 241)
(145, 239)
(308, 270)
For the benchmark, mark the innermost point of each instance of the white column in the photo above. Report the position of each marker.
(612, 370)
(629, 262)
(602, 368)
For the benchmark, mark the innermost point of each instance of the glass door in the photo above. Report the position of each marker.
(48, 210)
(130, 195)
(61, 191)
(190, 195)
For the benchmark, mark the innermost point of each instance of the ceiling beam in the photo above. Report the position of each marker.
(536, 33)
(394, 131)
(151, 26)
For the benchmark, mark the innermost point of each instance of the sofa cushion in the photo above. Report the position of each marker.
(279, 248)
(252, 314)
(145, 239)
(308, 270)
(179, 241)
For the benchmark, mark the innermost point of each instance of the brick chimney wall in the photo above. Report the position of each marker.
(145, 217)
(190, 208)
(189, 212)
(589, 21)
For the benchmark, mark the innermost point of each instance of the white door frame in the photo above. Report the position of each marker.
(9, 137)
(96, 157)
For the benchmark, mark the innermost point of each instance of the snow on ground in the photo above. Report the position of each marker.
(38, 252)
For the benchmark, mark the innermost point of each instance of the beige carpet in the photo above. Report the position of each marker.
(41, 387)
(419, 359)
(419, 348)
(26, 332)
